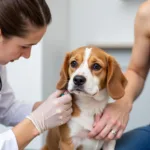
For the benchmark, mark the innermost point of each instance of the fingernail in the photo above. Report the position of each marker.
(66, 92)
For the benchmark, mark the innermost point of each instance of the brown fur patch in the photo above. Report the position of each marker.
(52, 140)
(116, 81)
(100, 57)
(76, 111)
(65, 140)
(45, 148)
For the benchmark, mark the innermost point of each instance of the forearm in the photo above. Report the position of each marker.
(134, 86)
(24, 132)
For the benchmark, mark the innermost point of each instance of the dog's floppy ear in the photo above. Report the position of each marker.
(116, 81)
(64, 76)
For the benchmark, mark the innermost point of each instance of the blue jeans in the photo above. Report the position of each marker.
(137, 139)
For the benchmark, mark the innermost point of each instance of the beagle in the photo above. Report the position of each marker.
(91, 76)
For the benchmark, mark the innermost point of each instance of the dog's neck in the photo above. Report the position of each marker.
(91, 105)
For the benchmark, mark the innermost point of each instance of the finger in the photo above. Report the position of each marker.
(68, 112)
(60, 106)
(65, 99)
(112, 135)
(98, 128)
(57, 93)
(104, 132)
(97, 118)
(67, 106)
(119, 134)
(65, 120)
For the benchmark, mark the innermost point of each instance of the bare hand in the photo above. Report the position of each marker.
(112, 123)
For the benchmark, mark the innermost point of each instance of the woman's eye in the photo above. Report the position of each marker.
(25, 47)
(74, 64)
(96, 67)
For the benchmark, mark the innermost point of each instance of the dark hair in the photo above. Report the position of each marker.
(17, 15)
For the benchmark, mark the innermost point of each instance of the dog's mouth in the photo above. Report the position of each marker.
(78, 89)
(81, 90)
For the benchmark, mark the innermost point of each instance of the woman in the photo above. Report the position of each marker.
(23, 24)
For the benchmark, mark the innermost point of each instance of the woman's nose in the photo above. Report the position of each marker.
(26, 54)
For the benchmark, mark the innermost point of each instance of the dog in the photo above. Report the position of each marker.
(91, 76)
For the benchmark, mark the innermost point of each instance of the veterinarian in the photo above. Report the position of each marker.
(114, 120)
(23, 24)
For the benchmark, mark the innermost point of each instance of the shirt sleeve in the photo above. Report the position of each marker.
(11, 111)
(8, 141)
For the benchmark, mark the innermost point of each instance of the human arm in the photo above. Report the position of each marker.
(116, 115)
(12, 111)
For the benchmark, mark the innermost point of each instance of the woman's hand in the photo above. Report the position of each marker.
(112, 123)
(54, 111)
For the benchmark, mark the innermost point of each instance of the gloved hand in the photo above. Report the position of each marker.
(52, 112)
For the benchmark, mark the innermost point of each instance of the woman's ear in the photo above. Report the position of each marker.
(64, 76)
(116, 81)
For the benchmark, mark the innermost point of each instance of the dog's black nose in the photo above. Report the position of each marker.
(79, 80)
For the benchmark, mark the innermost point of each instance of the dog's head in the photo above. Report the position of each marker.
(90, 70)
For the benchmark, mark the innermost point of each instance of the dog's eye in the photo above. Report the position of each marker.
(74, 64)
(96, 66)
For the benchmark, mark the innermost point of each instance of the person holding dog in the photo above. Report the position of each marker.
(23, 24)
(112, 123)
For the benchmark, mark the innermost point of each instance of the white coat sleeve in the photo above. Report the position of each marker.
(11, 111)
(8, 141)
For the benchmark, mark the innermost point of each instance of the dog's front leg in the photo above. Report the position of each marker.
(110, 145)
(66, 145)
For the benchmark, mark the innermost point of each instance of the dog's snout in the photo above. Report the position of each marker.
(79, 80)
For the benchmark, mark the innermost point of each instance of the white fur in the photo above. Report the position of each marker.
(91, 85)
(90, 104)
(83, 123)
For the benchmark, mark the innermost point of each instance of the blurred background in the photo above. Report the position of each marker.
(107, 24)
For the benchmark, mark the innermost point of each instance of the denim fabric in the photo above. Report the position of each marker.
(137, 139)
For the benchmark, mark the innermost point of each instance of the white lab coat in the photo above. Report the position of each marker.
(11, 112)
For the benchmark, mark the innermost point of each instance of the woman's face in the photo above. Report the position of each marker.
(15, 47)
